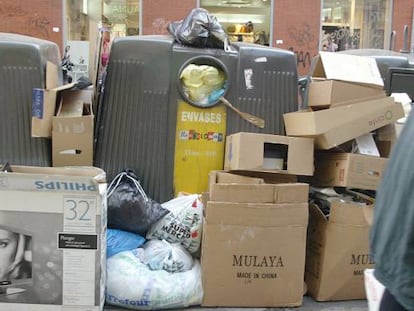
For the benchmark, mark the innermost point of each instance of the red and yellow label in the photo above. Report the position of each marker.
(199, 146)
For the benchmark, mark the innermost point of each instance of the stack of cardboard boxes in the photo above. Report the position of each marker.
(347, 103)
(65, 114)
(258, 220)
(254, 234)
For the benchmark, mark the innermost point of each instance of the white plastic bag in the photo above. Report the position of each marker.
(131, 284)
(171, 257)
(183, 224)
(374, 290)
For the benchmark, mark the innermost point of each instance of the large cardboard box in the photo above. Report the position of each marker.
(337, 252)
(335, 126)
(269, 153)
(332, 93)
(348, 170)
(73, 130)
(253, 254)
(58, 218)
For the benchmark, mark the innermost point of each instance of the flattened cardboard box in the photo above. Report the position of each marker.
(345, 67)
(332, 93)
(335, 126)
(348, 170)
(244, 192)
(59, 215)
(337, 252)
(269, 153)
(253, 254)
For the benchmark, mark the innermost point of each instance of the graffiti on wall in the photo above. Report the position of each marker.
(304, 43)
(375, 18)
(159, 26)
(34, 25)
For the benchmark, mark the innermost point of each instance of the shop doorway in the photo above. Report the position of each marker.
(355, 24)
(243, 20)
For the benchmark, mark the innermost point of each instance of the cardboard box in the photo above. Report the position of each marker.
(73, 130)
(253, 254)
(269, 153)
(59, 215)
(257, 193)
(44, 102)
(345, 67)
(335, 126)
(325, 94)
(348, 170)
(337, 252)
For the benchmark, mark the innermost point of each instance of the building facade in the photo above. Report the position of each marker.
(304, 27)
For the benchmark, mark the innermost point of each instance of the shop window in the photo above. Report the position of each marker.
(354, 24)
(122, 17)
(243, 20)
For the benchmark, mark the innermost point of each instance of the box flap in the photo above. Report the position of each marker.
(346, 213)
(52, 77)
(345, 67)
(259, 214)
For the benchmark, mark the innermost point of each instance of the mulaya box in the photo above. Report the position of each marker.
(52, 222)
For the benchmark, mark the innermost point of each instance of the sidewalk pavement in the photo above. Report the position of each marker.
(308, 305)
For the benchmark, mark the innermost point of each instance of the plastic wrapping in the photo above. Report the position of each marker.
(129, 208)
(199, 29)
(131, 284)
(161, 255)
(183, 224)
(118, 241)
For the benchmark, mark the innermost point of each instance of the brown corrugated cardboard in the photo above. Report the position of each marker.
(253, 254)
(73, 129)
(332, 93)
(257, 193)
(348, 170)
(335, 126)
(263, 152)
(337, 252)
(346, 67)
(45, 103)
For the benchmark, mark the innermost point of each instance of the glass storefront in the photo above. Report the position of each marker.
(243, 20)
(91, 26)
(355, 24)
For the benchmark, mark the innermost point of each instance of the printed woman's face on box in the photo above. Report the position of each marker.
(8, 248)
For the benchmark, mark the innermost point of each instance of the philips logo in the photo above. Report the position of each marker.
(63, 185)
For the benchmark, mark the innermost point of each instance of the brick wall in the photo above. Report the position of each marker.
(297, 27)
(158, 14)
(33, 18)
(402, 15)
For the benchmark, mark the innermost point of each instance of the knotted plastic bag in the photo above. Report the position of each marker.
(129, 208)
(199, 29)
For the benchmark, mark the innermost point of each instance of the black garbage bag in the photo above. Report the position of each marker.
(199, 29)
(129, 208)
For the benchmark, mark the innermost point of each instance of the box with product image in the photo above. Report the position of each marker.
(269, 153)
(338, 251)
(349, 170)
(55, 220)
(73, 130)
(342, 79)
(335, 126)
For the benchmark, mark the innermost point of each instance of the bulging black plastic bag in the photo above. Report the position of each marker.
(199, 29)
(129, 208)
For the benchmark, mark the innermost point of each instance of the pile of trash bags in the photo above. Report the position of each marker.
(152, 248)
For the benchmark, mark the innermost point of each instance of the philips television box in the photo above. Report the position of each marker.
(52, 254)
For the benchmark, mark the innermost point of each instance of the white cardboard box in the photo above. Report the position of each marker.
(58, 217)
